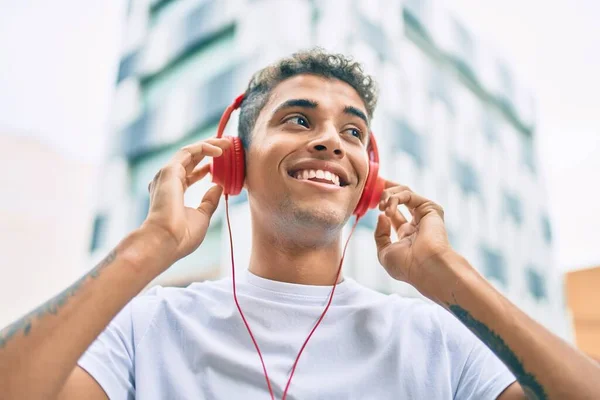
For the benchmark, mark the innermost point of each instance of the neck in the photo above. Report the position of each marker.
(283, 258)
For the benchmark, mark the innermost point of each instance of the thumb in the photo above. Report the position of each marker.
(382, 236)
(210, 201)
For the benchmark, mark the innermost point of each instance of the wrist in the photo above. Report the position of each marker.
(149, 249)
(447, 274)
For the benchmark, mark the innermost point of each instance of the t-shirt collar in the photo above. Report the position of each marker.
(317, 291)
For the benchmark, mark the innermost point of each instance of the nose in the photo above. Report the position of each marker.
(327, 143)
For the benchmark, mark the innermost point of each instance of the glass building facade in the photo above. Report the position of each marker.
(453, 123)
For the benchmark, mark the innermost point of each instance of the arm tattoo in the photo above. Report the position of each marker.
(528, 381)
(53, 305)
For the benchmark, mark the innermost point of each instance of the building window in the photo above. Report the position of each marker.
(207, 19)
(128, 8)
(465, 43)
(407, 140)
(159, 6)
(467, 178)
(206, 104)
(535, 283)
(439, 88)
(373, 35)
(416, 7)
(547, 229)
(513, 208)
(134, 137)
(174, 42)
(127, 66)
(489, 126)
(214, 96)
(506, 81)
(193, 69)
(528, 153)
(414, 14)
(98, 232)
(493, 265)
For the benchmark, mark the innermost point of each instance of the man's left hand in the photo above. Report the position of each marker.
(421, 242)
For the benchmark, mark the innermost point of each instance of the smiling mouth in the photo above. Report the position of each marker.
(318, 175)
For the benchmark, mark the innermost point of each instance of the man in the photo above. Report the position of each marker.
(309, 112)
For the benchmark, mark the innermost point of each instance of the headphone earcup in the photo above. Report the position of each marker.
(228, 170)
(372, 191)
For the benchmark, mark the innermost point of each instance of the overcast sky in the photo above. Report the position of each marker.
(58, 63)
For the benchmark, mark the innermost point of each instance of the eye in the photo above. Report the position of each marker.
(299, 120)
(357, 133)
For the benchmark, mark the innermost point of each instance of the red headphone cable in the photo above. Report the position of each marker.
(238, 304)
(246, 322)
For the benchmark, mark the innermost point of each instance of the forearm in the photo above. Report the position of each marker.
(545, 365)
(38, 352)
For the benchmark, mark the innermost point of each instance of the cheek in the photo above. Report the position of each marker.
(262, 169)
(365, 171)
(361, 166)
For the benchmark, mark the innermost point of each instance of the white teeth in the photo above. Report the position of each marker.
(319, 174)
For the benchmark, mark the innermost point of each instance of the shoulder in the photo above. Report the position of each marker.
(174, 296)
(429, 321)
(407, 314)
(165, 302)
(417, 314)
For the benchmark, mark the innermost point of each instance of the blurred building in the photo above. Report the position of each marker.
(45, 222)
(453, 122)
(583, 299)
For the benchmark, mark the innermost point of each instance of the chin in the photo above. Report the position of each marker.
(319, 216)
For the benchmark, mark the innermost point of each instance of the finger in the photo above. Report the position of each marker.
(190, 156)
(199, 146)
(382, 236)
(398, 220)
(187, 154)
(392, 206)
(166, 189)
(197, 174)
(210, 201)
(406, 230)
(390, 184)
(418, 205)
(390, 191)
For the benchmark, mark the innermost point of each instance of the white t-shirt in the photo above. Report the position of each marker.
(190, 343)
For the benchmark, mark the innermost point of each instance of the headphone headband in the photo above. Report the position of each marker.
(227, 113)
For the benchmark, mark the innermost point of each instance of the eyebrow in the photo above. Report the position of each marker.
(303, 103)
(306, 103)
(356, 112)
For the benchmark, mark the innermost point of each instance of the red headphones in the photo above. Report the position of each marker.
(228, 170)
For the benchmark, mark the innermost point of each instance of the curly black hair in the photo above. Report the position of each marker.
(314, 61)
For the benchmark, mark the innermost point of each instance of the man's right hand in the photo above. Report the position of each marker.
(185, 227)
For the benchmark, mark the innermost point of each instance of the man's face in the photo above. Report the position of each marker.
(307, 161)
